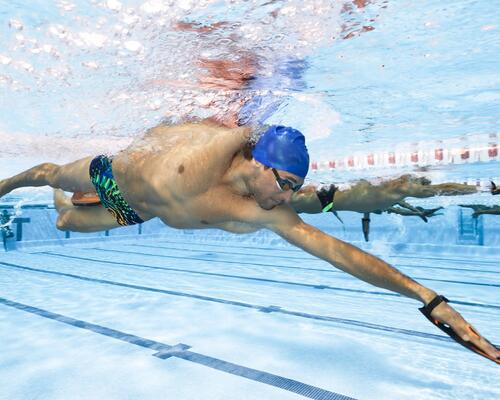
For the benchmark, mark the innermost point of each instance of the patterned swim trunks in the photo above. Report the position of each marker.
(102, 178)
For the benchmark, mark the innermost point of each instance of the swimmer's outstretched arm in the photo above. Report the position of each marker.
(283, 221)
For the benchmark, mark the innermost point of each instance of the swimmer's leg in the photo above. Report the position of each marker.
(72, 177)
(81, 219)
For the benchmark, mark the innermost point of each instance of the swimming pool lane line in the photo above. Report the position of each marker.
(264, 309)
(298, 259)
(249, 278)
(458, 260)
(253, 264)
(297, 250)
(165, 351)
(219, 275)
(272, 265)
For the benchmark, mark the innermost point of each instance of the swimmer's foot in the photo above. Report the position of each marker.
(85, 199)
(61, 201)
(494, 189)
(429, 212)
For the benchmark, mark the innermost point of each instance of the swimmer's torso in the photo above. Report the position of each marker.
(176, 173)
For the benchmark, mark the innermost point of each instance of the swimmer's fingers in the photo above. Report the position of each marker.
(451, 322)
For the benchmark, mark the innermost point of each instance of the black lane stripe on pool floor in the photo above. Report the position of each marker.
(311, 258)
(249, 278)
(216, 243)
(165, 351)
(421, 278)
(264, 309)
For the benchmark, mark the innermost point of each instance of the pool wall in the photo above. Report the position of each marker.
(455, 227)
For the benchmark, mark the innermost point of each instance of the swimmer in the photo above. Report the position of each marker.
(365, 197)
(5, 229)
(208, 176)
(482, 210)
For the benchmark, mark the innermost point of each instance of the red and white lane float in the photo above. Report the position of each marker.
(461, 150)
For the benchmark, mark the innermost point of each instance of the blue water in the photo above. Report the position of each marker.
(247, 317)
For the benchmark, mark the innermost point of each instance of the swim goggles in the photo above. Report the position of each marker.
(286, 184)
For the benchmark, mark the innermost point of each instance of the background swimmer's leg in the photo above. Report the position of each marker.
(72, 177)
(81, 219)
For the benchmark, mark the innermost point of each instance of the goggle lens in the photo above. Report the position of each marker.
(286, 184)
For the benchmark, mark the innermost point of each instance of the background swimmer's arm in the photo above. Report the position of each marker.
(362, 197)
(365, 197)
(306, 200)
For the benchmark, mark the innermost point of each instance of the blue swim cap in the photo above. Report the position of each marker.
(283, 148)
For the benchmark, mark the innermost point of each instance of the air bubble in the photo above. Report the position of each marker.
(133, 46)
(90, 64)
(5, 60)
(114, 5)
(16, 24)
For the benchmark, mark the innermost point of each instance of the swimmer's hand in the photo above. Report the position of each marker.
(452, 323)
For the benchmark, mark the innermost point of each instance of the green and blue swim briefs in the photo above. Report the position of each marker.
(102, 178)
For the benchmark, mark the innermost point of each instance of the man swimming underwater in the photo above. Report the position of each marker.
(202, 175)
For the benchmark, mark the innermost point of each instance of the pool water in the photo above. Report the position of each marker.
(265, 307)
(379, 88)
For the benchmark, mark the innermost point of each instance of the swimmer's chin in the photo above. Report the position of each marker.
(271, 206)
(267, 206)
